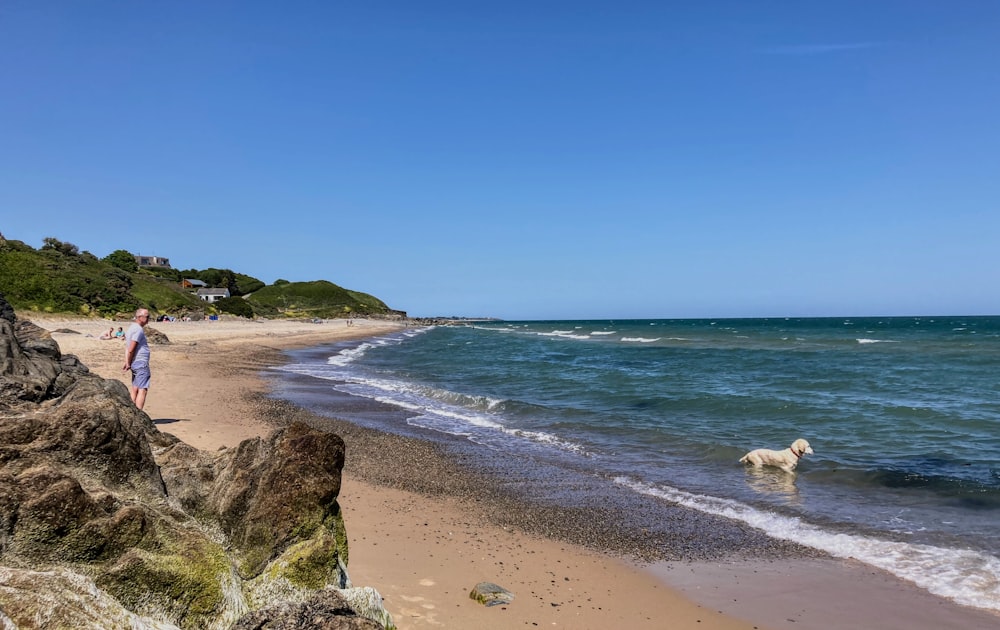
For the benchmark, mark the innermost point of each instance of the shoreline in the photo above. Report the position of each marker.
(424, 536)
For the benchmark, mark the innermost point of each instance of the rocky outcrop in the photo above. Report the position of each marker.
(32, 369)
(155, 337)
(325, 610)
(105, 522)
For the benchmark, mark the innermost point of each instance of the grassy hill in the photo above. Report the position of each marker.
(319, 298)
(55, 280)
(162, 295)
(59, 278)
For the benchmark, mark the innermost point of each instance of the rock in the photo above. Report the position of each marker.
(6, 310)
(155, 337)
(368, 603)
(63, 599)
(136, 529)
(272, 492)
(327, 610)
(188, 474)
(489, 594)
(29, 362)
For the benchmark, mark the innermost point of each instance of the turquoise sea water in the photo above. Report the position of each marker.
(903, 415)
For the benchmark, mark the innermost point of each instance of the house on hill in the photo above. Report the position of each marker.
(193, 283)
(152, 261)
(212, 295)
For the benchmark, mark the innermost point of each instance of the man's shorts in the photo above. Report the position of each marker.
(140, 375)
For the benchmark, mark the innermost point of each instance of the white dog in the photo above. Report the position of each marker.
(786, 460)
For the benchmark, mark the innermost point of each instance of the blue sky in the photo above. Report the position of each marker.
(523, 160)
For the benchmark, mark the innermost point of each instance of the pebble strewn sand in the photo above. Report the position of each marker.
(610, 521)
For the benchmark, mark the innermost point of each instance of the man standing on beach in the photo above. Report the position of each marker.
(137, 357)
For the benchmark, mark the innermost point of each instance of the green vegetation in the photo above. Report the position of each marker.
(161, 295)
(312, 563)
(183, 579)
(55, 245)
(163, 272)
(123, 260)
(59, 278)
(237, 283)
(234, 306)
(319, 298)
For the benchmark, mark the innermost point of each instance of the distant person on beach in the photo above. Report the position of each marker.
(137, 357)
(119, 333)
(108, 335)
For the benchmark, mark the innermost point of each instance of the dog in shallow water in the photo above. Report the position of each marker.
(786, 459)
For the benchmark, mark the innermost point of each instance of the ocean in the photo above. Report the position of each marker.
(903, 414)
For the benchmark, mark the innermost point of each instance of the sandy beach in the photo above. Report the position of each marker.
(424, 545)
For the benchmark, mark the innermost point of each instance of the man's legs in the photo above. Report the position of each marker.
(140, 384)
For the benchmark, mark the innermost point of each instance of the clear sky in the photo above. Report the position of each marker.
(523, 160)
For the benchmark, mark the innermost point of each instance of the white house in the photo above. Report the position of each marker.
(211, 295)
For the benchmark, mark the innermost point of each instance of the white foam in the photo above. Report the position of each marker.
(307, 369)
(349, 355)
(547, 438)
(450, 412)
(640, 339)
(563, 334)
(970, 578)
(465, 425)
(603, 332)
(863, 340)
(507, 329)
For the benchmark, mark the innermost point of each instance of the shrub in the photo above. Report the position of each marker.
(314, 299)
(234, 306)
(163, 272)
(123, 260)
(246, 284)
(166, 295)
(53, 280)
(66, 249)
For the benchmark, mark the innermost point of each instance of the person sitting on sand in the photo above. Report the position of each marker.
(108, 335)
(119, 334)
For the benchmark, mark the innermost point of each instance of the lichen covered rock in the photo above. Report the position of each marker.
(64, 600)
(126, 527)
(325, 610)
(274, 492)
(490, 594)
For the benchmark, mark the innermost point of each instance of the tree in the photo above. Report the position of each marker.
(66, 249)
(123, 260)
